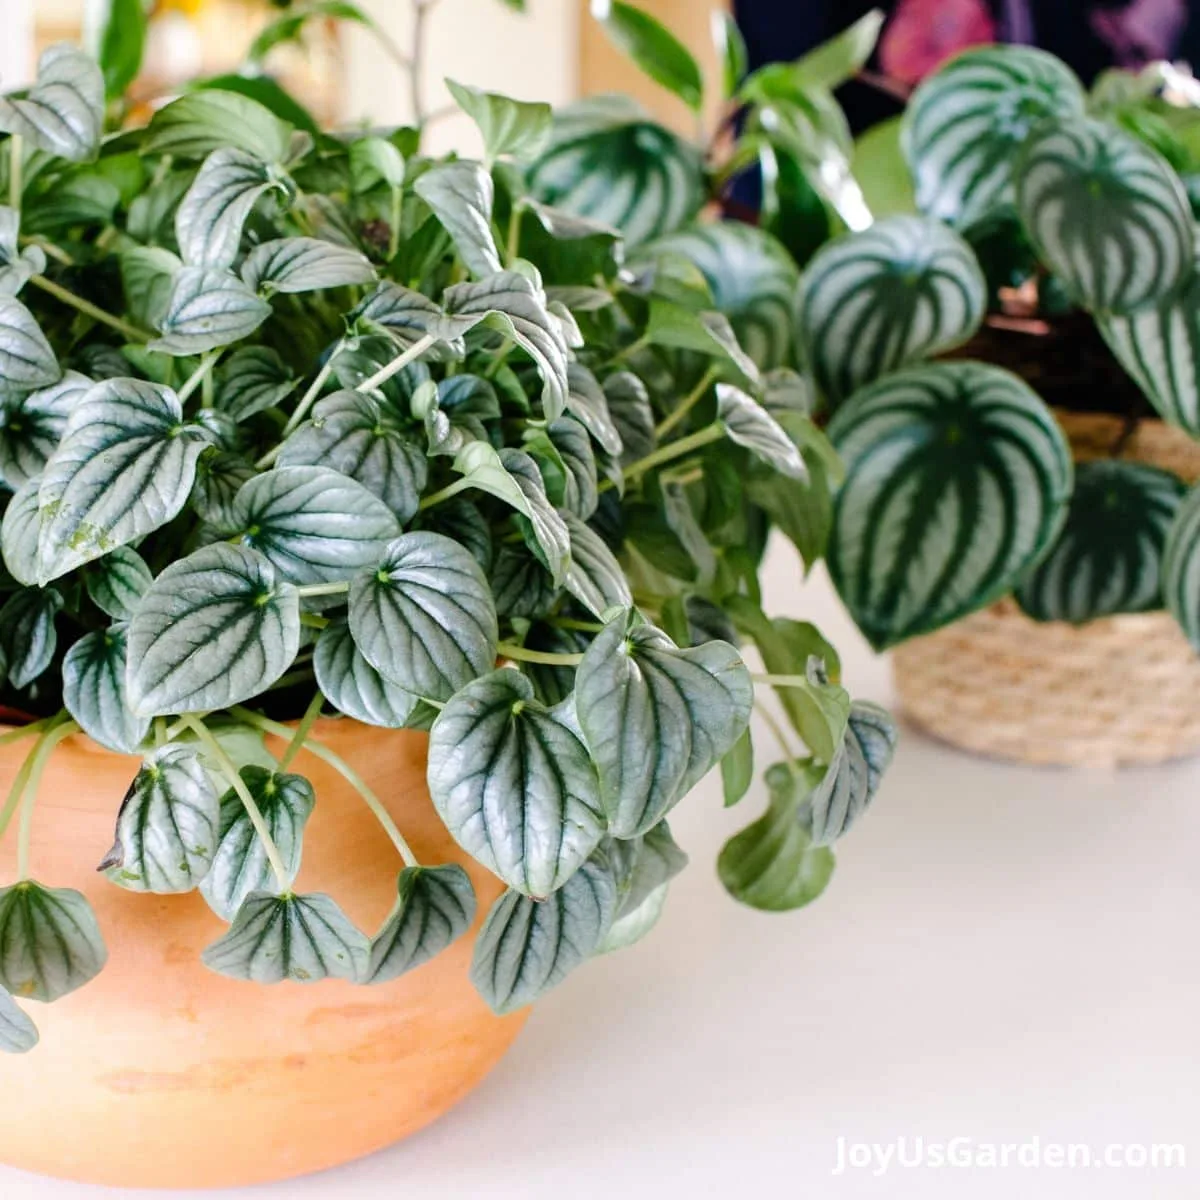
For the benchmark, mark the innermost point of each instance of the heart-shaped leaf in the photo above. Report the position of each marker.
(841, 58)
(301, 938)
(18, 1034)
(653, 47)
(26, 360)
(209, 220)
(1106, 213)
(118, 581)
(124, 467)
(508, 126)
(957, 480)
(216, 628)
(853, 776)
(737, 770)
(253, 379)
(355, 435)
(31, 426)
(461, 195)
(708, 333)
(747, 423)
(1108, 556)
(594, 578)
(209, 308)
(404, 314)
(905, 289)
(211, 119)
(374, 161)
(63, 113)
(27, 636)
(656, 718)
(435, 907)
(527, 946)
(773, 865)
(148, 276)
(353, 686)
(94, 692)
(1181, 567)
(304, 264)
(312, 524)
(167, 825)
(240, 865)
(513, 784)
(424, 618)
(49, 941)
(19, 533)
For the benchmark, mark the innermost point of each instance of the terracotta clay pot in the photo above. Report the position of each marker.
(160, 1073)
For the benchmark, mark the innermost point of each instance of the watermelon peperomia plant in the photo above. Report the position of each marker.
(296, 423)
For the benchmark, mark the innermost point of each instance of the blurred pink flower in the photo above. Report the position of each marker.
(922, 34)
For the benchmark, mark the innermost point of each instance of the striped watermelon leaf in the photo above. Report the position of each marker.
(965, 123)
(1105, 212)
(1108, 557)
(1181, 567)
(752, 279)
(904, 289)
(957, 479)
(608, 161)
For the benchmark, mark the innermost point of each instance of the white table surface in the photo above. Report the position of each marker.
(1003, 954)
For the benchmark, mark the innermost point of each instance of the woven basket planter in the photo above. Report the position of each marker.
(1118, 690)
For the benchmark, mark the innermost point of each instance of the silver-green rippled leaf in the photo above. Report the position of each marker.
(50, 943)
(353, 686)
(424, 617)
(167, 825)
(253, 379)
(219, 477)
(216, 628)
(303, 938)
(513, 784)
(27, 635)
(240, 865)
(852, 778)
(435, 907)
(587, 402)
(404, 314)
(209, 308)
(1106, 213)
(520, 585)
(650, 862)
(118, 581)
(211, 119)
(656, 718)
(17, 265)
(18, 1034)
(19, 533)
(312, 524)
(957, 481)
(32, 425)
(905, 289)
(148, 276)
(594, 578)
(629, 929)
(1181, 568)
(1108, 556)
(527, 946)
(461, 195)
(26, 360)
(94, 692)
(124, 468)
(966, 122)
(63, 112)
(632, 415)
(573, 446)
(747, 423)
(304, 264)
(507, 126)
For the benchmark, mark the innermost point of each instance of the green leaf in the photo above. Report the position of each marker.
(375, 161)
(527, 946)
(747, 423)
(94, 691)
(881, 170)
(1181, 567)
(435, 907)
(509, 127)
(351, 433)
(653, 47)
(513, 784)
(588, 404)
(772, 865)
(301, 938)
(148, 276)
(405, 315)
(1106, 213)
(63, 113)
(731, 50)
(957, 480)
(288, 28)
(263, 90)
(514, 305)
(19, 533)
(254, 379)
(200, 122)
(26, 360)
(594, 578)
(424, 617)
(737, 769)
(907, 288)
(353, 686)
(122, 41)
(966, 122)
(209, 308)
(646, 864)
(17, 266)
(124, 467)
(118, 581)
(219, 477)
(27, 635)
(461, 195)
(568, 442)
(312, 524)
(209, 220)
(304, 264)
(31, 426)
(632, 416)
(239, 864)
(656, 718)
(216, 628)
(49, 941)
(18, 1034)
(1108, 556)
(167, 825)
(853, 775)
(840, 58)
(708, 333)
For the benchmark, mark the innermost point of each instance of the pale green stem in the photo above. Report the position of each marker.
(796, 681)
(694, 441)
(18, 785)
(513, 242)
(450, 490)
(302, 731)
(690, 401)
(198, 376)
(397, 216)
(50, 250)
(234, 778)
(343, 768)
(542, 657)
(37, 764)
(15, 172)
(313, 620)
(776, 731)
(131, 332)
(632, 349)
(314, 390)
(323, 589)
(16, 735)
(582, 626)
(397, 364)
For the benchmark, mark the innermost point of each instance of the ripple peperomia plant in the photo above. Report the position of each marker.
(297, 424)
